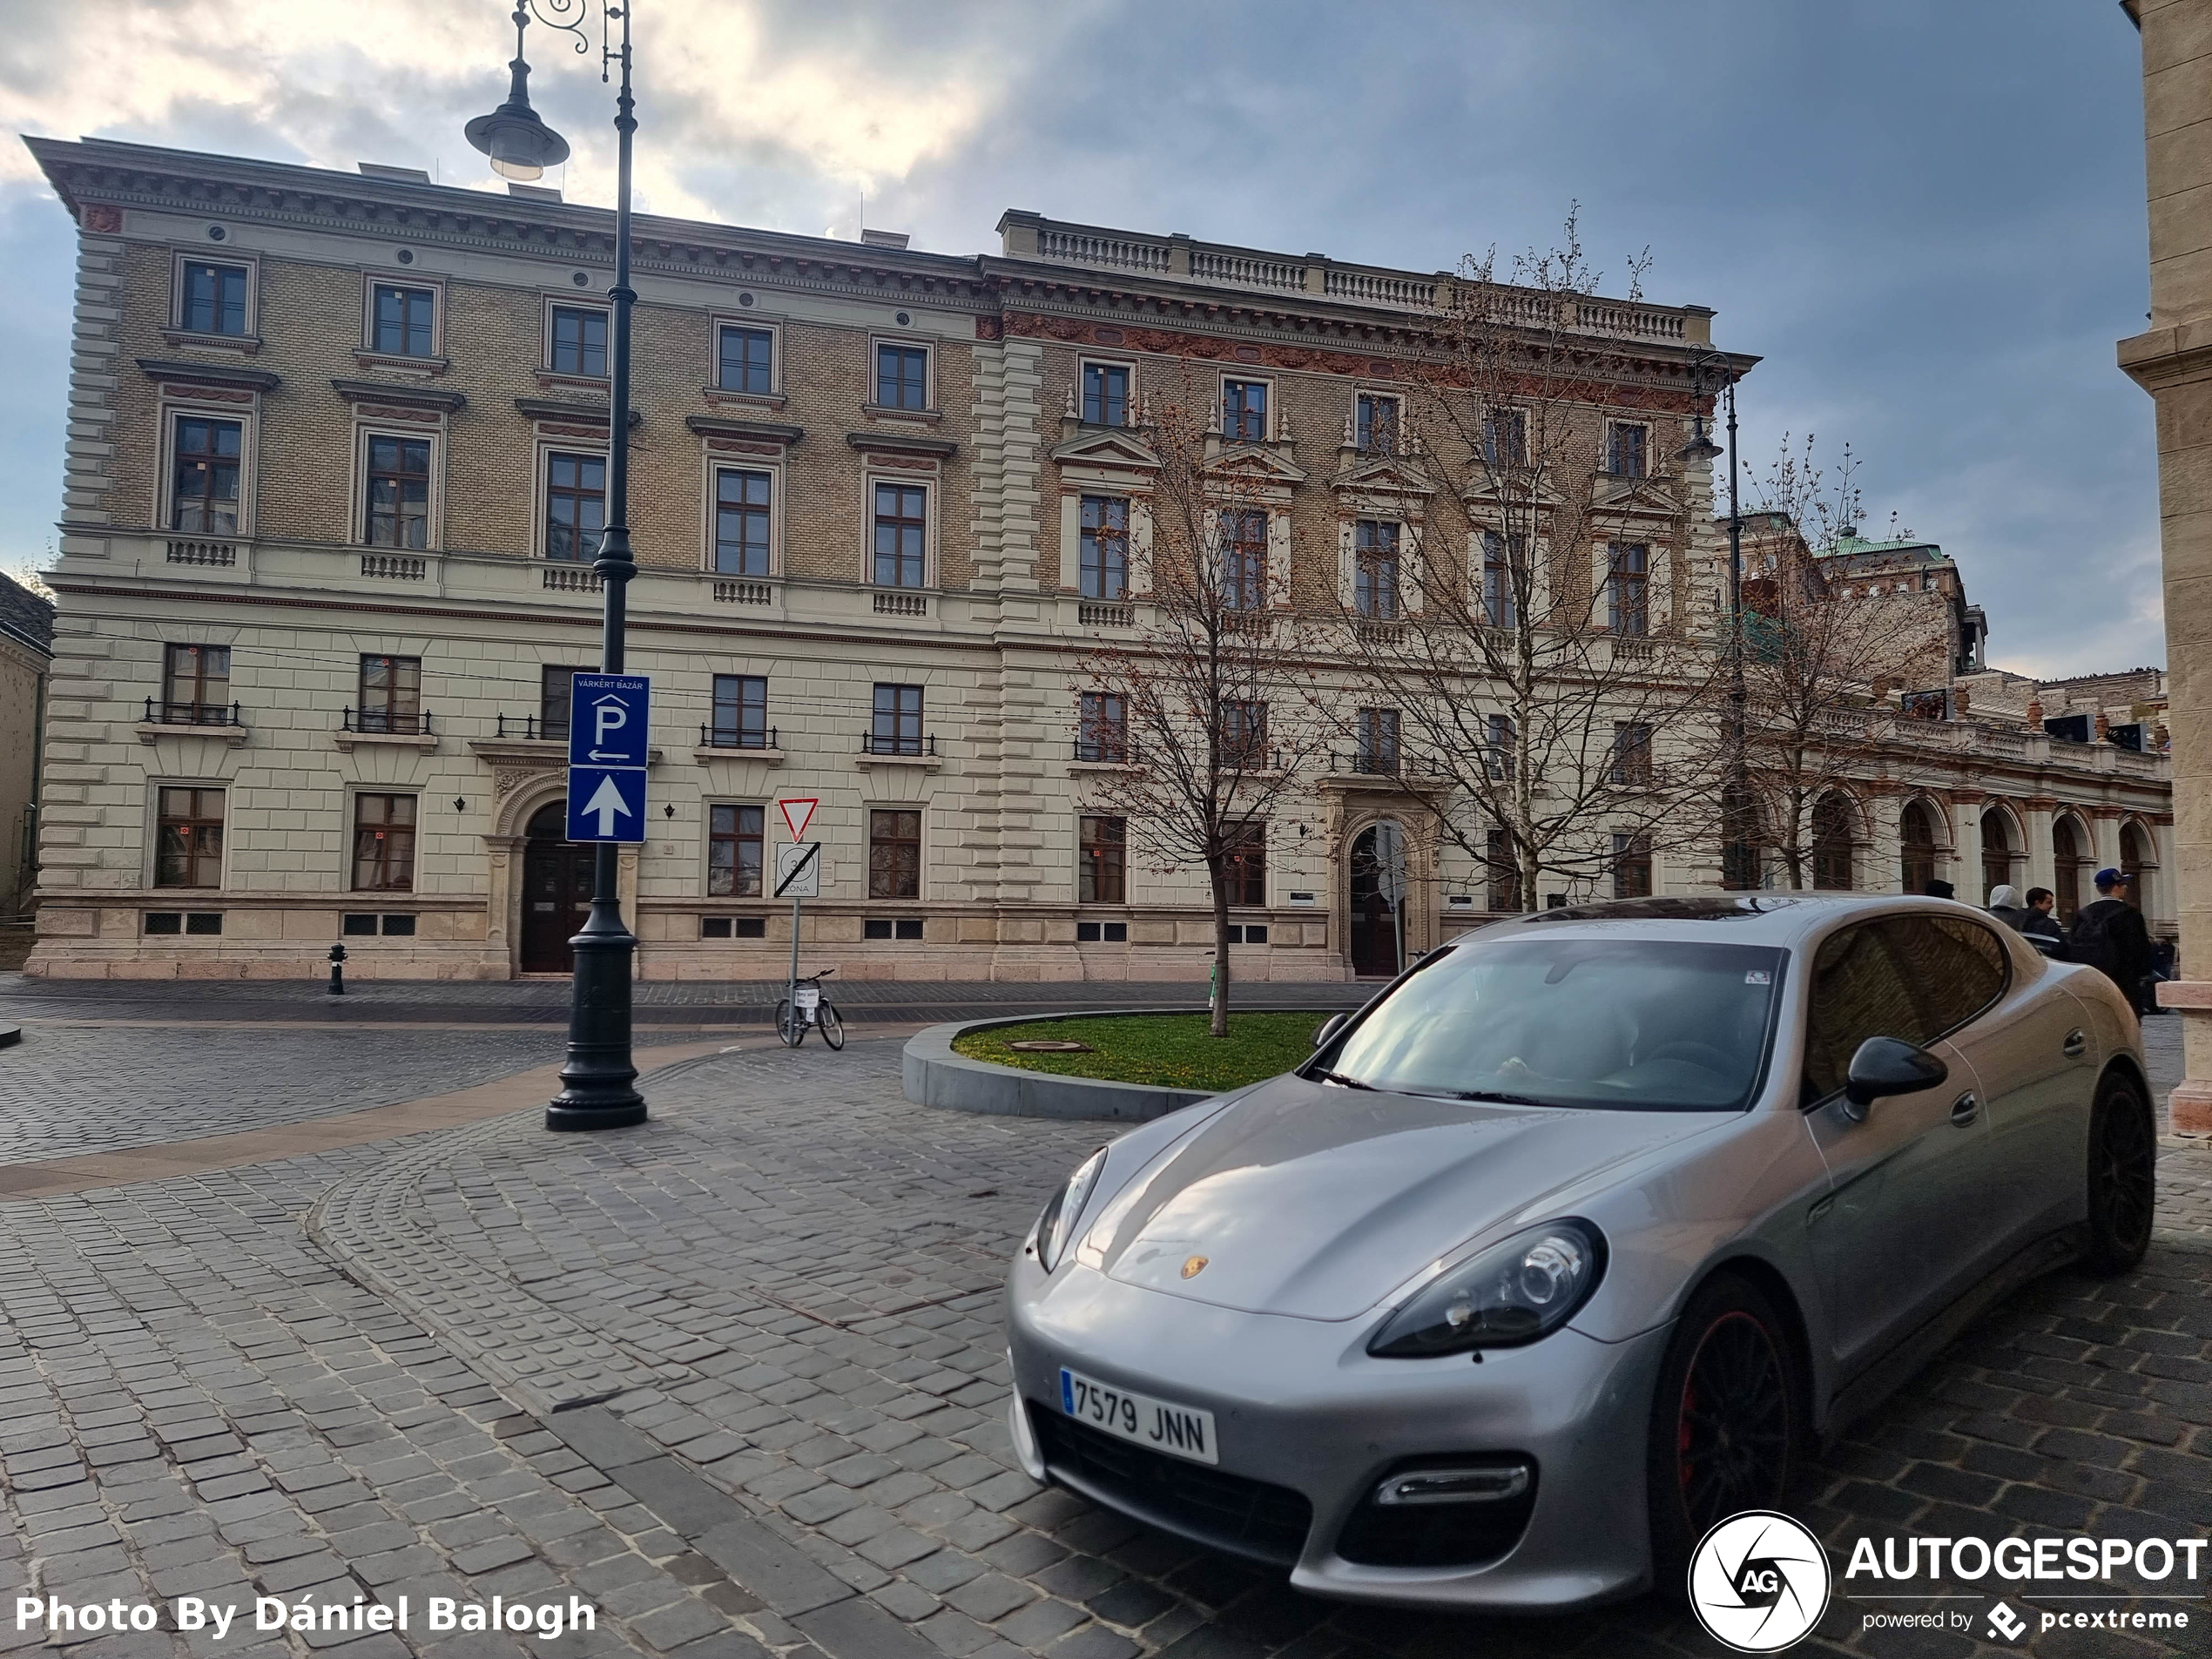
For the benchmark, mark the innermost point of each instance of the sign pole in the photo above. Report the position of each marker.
(798, 813)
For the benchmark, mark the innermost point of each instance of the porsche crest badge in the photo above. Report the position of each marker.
(1195, 1266)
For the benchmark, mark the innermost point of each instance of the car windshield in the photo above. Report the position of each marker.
(1648, 1024)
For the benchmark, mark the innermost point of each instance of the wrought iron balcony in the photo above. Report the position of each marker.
(533, 728)
(395, 723)
(162, 713)
(894, 743)
(1109, 750)
(726, 737)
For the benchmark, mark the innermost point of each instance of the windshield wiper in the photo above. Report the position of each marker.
(1328, 1076)
(1490, 1097)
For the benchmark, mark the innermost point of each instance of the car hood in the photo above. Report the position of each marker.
(1319, 1201)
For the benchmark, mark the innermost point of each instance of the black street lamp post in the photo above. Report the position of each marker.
(1711, 367)
(598, 1081)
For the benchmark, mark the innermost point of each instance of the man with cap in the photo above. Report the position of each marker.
(2111, 934)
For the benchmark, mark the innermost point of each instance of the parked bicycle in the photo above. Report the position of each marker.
(806, 1006)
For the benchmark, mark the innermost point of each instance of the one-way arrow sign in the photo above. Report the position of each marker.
(606, 804)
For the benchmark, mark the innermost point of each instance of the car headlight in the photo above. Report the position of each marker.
(1518, 1290)
(1057, 1224)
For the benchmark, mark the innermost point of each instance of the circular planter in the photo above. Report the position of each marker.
(934, 1076)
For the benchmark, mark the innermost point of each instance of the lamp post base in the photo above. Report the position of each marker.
(596, 1089)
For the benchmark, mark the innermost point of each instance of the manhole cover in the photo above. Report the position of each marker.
(1050, 1045)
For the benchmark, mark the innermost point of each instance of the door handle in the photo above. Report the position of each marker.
(1964, 1109)
(2075, 1045)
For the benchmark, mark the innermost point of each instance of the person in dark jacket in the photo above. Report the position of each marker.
(2111, 934)
(2040, 923)
(2004, 905)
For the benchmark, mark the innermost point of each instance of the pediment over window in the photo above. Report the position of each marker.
(1483, 490)
(1108, 446)
(1257, 463)
(1383, 475)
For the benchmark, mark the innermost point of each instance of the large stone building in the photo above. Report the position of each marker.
(26, 655)
(338, 453)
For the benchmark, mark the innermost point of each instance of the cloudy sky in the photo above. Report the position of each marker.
(1928, 219)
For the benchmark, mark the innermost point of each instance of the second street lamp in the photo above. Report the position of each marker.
(1738, 869)
(598, 1079)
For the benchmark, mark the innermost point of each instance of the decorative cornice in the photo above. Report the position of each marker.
(166, 369)
(414, 397)
(904, 443)
(546, 408)
(709, 426)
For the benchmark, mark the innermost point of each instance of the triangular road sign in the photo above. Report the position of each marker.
(797, 814)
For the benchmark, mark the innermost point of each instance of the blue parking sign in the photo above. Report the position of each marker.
(609, 720)
(606, 803)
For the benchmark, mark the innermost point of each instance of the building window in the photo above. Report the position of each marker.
(894, 853)
(747, 361)
(1243, 560)
(203, 498)
(214, 299)
(740, 711)
(195, 685)
(741, 542)
(901, 529)
(1374, 577)
(901, 377)
(897, 730)
(576, 506)
(555, 686)
(1504, 871)
(1502, 564)
(1244, 411)
(1102, 874)
(1501, 757)
(1625, 450)
(383, 843)
(733, 849)
(399, 491)
(1631, 753)
(1104, 570)
(1247, 850)
(401, 320)
(1378, 730)
(1106, 394)
(1831, 845)
(189, 846)
(1102, 727)
(579, 341)
(1376, 426)
(1632, 865)
(391, 694)
(1505, 438)
(1627, 588)
(1243, 735)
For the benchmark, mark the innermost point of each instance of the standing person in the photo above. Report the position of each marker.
(2040, 923)
(2111, 935)
(2004, 905)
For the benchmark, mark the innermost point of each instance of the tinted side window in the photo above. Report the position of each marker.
(1957, 967)
(1858, 991)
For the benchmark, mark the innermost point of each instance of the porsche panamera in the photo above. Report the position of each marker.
(1573, 1241)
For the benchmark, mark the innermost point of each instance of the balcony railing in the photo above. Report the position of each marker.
(723, 737)
(396, 567)
(182, 552)
(892, 743)
(733, 592)
(1114, 751)
(532, 728)
(161, 713)
(1104, 613)
(1379, 763)
(388, 722)
(902, 605)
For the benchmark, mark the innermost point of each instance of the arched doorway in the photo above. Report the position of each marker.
(1378, 873)
(1999, 853)
(1832, 848)
(2137, 860)
(1916, 845)
(557, 890)
(2069, 861)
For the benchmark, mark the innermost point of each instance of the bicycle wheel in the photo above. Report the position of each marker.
(789, 1026)
(833, 1028)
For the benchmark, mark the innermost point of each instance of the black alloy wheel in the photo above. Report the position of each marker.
(2123, 1176)
(1727, 1418)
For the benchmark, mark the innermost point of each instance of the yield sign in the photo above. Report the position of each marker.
(797, 814)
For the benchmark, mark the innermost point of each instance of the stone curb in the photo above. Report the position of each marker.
(932, 1075)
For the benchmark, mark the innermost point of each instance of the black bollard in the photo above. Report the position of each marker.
(338, 970)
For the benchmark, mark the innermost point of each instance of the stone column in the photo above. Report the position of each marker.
(1884, 855)
(1966, 844)
(2104, 830)
(2172, 360)
(2042, 858)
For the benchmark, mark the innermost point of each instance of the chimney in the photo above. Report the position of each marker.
(883, 238)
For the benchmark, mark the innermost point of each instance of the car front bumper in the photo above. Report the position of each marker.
(1298, 1404)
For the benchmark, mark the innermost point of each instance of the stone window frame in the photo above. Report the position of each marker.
(1272, 422)
(1131, 401)
(713, 462)
(1658, 580)
(1136, 488)
(174, 329)
(554, 300)
(151, 852)
(180, 401)
(931, 409)
(373, 279)
(1361, 391)
(1086, 865)
(546, 446)
(1537, 551)
(383, 425)
(921, 810)
(773, 327)
(768, 844)
(348, 876)
(1650, 437)
(931, 483)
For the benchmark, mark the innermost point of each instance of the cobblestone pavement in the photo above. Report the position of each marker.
(657, 1002)
(334, 1377)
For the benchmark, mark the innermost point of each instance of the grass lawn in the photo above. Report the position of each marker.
(1166, 1050)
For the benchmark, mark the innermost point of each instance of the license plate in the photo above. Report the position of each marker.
(1180, 1431)
(808, 1000)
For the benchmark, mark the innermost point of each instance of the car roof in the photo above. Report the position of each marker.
(1762, 918)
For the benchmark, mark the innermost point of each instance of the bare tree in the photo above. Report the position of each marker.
(1209, 714)
(1816, 661)
(1554, 676)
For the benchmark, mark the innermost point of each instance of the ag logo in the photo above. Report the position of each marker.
(1758, 1582)
(2005, 1625)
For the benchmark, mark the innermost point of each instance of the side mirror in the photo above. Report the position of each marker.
(1885, 1066)
(1330, 1027)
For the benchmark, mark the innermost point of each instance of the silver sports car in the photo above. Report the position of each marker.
(1571, 1241)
